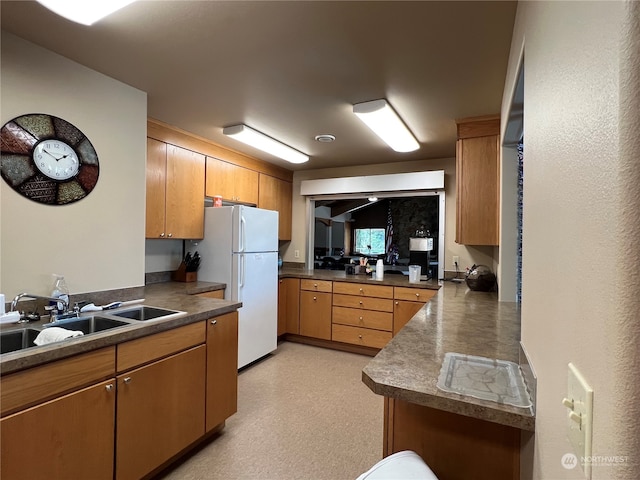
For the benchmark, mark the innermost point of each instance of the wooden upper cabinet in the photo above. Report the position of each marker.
(232, 182)
(175, 191)
(477, 181)
(275, 194)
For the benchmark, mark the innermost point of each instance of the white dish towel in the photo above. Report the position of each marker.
(55, 334)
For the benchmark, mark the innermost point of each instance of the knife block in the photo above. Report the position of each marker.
(181, 275)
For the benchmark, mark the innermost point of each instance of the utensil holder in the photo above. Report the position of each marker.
(181, 275)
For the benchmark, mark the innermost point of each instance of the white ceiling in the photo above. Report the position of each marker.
(293, 69)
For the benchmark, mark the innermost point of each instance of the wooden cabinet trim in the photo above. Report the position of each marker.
(146, 349)
(37, 384)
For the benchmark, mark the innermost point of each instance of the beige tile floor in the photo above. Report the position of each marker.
(303, 413)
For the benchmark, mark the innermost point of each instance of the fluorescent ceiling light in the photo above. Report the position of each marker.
(85, 12)
(267, 144)
(385, 122)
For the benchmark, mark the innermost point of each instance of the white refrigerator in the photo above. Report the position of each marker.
(240, 248)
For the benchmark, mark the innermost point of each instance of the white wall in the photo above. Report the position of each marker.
(581, 203)
(468, 255)
(98, 242)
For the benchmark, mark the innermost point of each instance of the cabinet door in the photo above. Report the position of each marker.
(156, 185)
(289, 306)
(246, 183)
(160, 411)
(315, 314)
(219, 179)
(222, 369)
(70, 437)
(275, 194)
(477, 197)
(185, 193)
(403, 311)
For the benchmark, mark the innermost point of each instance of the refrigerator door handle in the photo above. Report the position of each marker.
(243, 225)
(241, 279)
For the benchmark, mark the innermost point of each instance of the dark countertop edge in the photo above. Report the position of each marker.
(206, 308)
(467, 406)
(340, 276)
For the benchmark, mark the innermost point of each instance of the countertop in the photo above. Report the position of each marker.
(341, 276)
(170, 295)
(459, 320)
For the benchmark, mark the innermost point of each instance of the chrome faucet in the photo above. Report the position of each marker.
(54, 311)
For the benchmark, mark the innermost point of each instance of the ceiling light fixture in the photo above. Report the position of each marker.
(373, 199)
(385, 122)
(267, 144)
(85, 12)
(325, 138)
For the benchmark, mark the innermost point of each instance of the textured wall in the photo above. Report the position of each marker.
(581, 200)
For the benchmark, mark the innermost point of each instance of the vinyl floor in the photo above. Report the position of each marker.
(303, 413)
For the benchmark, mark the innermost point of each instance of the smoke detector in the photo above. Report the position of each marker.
(325, 138)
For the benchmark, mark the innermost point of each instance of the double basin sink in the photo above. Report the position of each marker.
(21, 338)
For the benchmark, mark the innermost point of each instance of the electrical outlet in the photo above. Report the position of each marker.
(456, 261)
(296, 253)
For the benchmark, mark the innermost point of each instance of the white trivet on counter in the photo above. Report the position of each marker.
(484, 378)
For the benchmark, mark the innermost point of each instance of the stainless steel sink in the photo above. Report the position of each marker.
(13, 340)
(88, 324)
(144, 312)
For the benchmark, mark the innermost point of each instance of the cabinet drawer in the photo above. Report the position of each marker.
(212, 294)
(363, 318)
(146, 349)
(316, 285)
(368, 303)
(26, 388)
(414, 294)
(381, 291)
(360, 336)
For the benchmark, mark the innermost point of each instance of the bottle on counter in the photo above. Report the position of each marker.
(60, 290)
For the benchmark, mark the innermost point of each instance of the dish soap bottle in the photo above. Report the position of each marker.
(60, 290)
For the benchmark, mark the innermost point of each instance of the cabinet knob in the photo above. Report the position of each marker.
(127, 380)
(397, 303)
(280, 281)
(315, 298)
(315, 285)
(108, 388)
(170, 235)
(213, 322)
(360, 302)
(360, 318)
(361, 290)
(417, 295)
(360, 337)
(162, 234)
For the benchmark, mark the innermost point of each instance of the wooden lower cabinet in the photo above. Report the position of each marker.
(366, 337)
(222, 369)
(160, 411)
(454, 446)
(69, 437)
(407, 303)
(315, 314)
(289, 306)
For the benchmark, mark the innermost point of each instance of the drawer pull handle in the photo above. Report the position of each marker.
(127, 380)
(109, 387)
(214, 322)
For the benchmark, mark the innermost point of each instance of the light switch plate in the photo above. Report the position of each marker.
(580, 417)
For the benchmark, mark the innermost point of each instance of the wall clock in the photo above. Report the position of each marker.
(48, 160)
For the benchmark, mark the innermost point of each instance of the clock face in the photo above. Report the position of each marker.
(56, 159)
(47, 159)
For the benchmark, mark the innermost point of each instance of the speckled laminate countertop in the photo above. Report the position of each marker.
(457, 320)
(341, 276)
(171, 295)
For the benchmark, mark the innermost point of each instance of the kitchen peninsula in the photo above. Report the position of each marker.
(458, 436)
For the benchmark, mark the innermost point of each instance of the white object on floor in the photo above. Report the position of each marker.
(406, 465)
(55, 334)
(10, 317)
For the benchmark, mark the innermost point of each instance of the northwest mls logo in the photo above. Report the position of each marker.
(569, 461)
